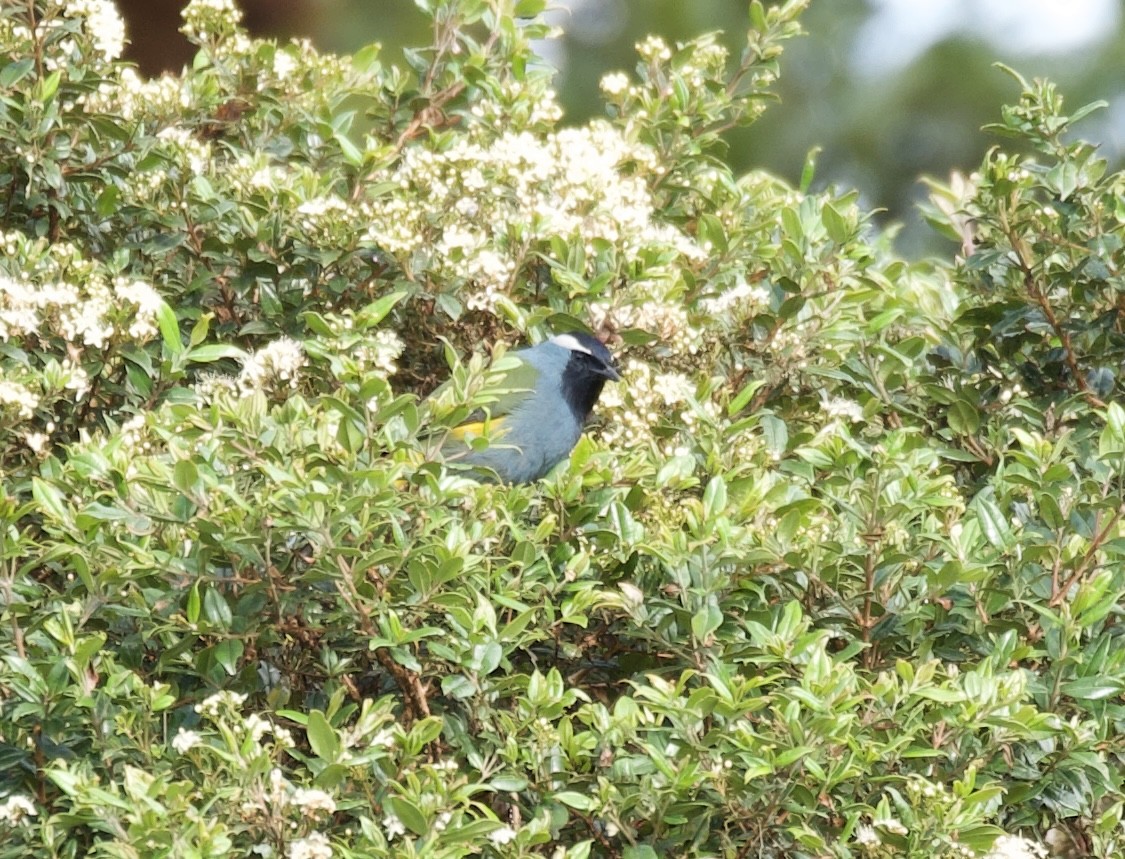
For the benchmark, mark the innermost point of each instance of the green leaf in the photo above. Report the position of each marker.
(577, 801)
(201, 328)
(714, 498)
(15, 71)
(809, 169)
(216, 610)
(993, 523)
(963, 418)
(776, 434)
(1093, 688)
(169, 328)
(211, 352)
(184, 476)
(837, 227)
(322, 737)
(228, 654)
(706, 621)
(193, 604)
(377, 311)
(50, 500)
(410, 815)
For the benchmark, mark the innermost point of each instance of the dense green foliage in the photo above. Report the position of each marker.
(837, 573)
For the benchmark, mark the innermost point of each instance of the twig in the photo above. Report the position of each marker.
(1057, 596)
(413, 691)
(1040, 298)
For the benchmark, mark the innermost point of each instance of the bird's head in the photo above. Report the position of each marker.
(588, 367)
(588, 355)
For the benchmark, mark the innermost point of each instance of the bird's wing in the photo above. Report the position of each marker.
(513, 386)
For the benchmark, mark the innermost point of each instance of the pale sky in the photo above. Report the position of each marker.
(899, 30)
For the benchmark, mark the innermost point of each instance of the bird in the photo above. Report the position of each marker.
(553, 388)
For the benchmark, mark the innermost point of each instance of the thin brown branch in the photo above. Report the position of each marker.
(1039, 296)
(1084, 565)
(413, 690)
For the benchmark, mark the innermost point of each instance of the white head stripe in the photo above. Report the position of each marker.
(569, 341)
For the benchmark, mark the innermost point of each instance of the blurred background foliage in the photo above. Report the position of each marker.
(889, 90)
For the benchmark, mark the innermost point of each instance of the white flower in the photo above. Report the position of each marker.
(15, 808)
(503, 835)
(312, 801)
(256, 726)
(280, 360)
(283, 64)
(866, 836)
(36, 441)
(20, 396)
(312, 846)
(213, 705)
(283, 737)
(839, 407)
(615, 83)
(385, 739)
(103, 23)
(1015, 847)
(148, 302)
(673, 388)
(654, 48)
(891, 824)
(185, 740)
(204, 17)
(393, 826)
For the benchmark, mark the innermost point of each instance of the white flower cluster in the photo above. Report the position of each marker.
(642, 400)
(103, 24)
(707, 62)
(868, 839)
(59, 50)
(321, 218)
(536, 107)
(654, 49)
(218, 704)
(20, 397)
(133, 433)
(148, 304)
(313, 846)
(381, 352)
(185, 741)
(393, 826)
(478, 206)
(211, 385)
(284, 64)
(313, 801)
(204, 19)
(37, 441)
(132, 96)
(15, 808)
(615, 83)
(81, 316)
(1015, 847)
(838, 407)
(186, 150)
(503, 835)
(279, 361)
(257, 727)
(741, 301)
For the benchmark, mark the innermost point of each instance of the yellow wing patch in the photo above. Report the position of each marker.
(467, 432)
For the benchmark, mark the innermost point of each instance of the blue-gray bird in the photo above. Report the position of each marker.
(554, 387)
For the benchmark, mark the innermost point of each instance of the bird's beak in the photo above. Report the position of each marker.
(610, 372)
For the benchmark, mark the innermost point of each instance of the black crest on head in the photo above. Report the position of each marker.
(587, 370)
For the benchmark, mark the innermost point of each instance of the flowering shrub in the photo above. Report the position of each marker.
(836, 572)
